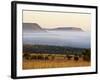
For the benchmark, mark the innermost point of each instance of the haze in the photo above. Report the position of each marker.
(60, 38)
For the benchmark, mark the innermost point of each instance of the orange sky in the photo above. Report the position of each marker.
(55, 19)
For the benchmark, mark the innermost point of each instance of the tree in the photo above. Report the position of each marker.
(87, 55)
(76, 58)
(68, 57)
(26, 56)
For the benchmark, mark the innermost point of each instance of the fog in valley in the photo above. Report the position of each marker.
(77, 39)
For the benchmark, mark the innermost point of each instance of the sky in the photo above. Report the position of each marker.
(58, 19)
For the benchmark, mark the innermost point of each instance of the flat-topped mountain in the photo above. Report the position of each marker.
(34, 27)
(66, 29)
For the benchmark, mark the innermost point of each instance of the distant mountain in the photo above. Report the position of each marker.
(66, 29)
(32, 27)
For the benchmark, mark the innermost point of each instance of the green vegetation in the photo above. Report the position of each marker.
(52, 49)
(46, 52)
(87, 55)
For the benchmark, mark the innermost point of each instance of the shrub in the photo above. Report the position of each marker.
(26, 56)
(76, 58)
(87, 55)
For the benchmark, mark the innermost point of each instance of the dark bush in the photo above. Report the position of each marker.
(76, 58)
(69, 57)
(26, 56)
(87, 55)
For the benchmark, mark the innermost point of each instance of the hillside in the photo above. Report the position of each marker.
(34, 27)
(51, 49)
(66, 29)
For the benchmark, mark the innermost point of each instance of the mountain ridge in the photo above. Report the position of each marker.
(32, 27)
(36, 27)
(65, 28)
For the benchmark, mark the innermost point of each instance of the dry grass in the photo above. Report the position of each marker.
(35, 64)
